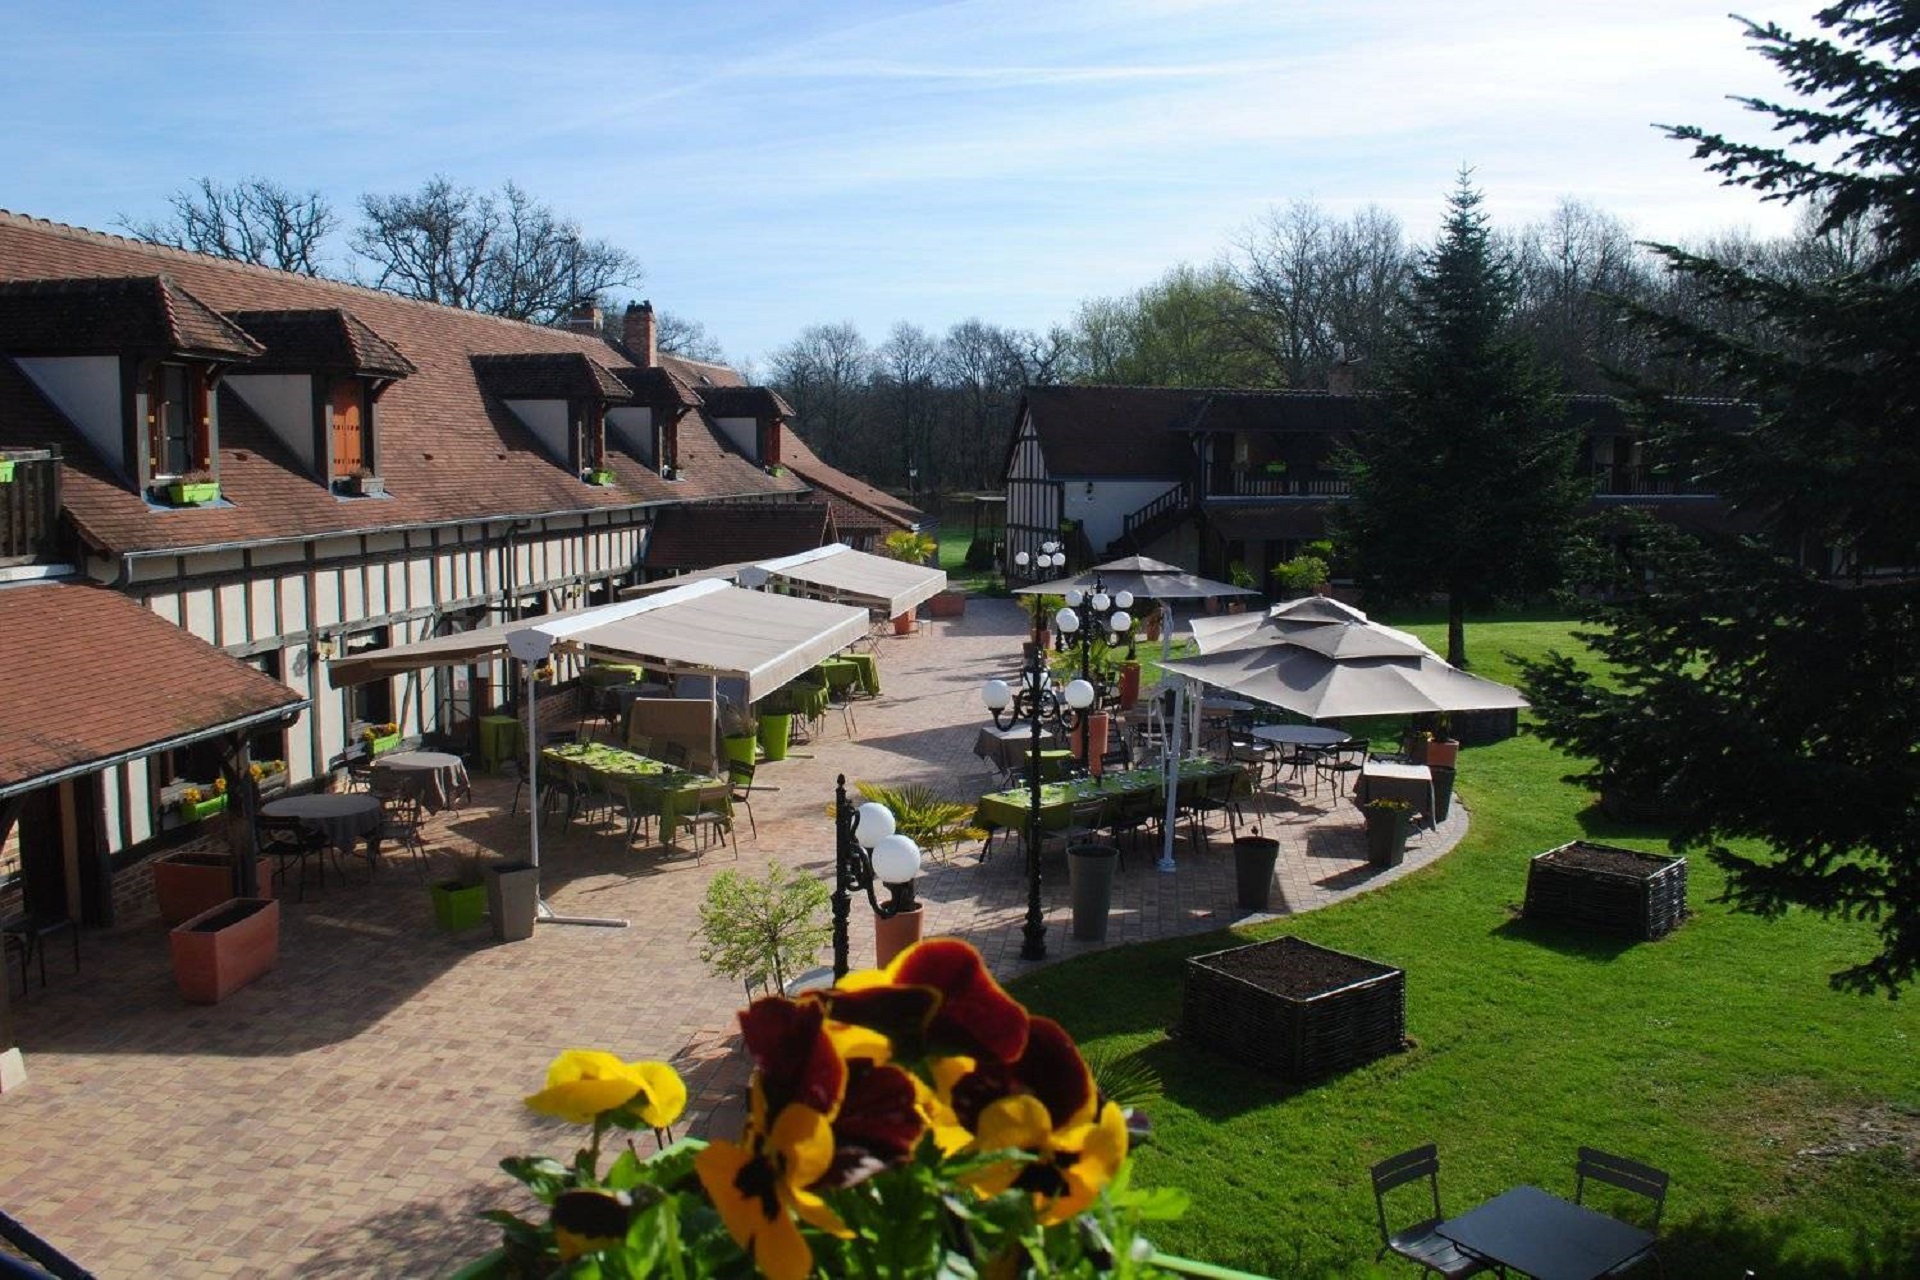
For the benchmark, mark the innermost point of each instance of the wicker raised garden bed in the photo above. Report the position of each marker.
(1293, 1009)
(1607, 890)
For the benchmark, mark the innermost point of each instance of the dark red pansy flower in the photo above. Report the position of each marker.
(878, 1126)
(796, 1061)
(1053, 1071)
(975, 1017)
(901, 1014)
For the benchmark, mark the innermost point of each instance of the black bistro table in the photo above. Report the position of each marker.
(1530, 1231)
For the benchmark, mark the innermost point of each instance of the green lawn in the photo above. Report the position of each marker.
(1718, 1054)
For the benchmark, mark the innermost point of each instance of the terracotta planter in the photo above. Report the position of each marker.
(1129, 684)
(948, 604)
(895, 933)
(187, 884)
(1094, 730)
(903, 625)
(221, 950)
(1443, 753)
(1153, 625)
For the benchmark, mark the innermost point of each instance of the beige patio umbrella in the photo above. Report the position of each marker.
(1314, 622)
(1320, 686)
(1146, 578)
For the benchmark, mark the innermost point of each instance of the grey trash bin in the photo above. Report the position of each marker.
(1090, 870)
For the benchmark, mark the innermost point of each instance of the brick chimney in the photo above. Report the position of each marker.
(1341, 374)
(637, 332)
(585, 317)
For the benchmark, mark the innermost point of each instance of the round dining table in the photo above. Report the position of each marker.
(439, 776)
(1301, 735)
(342, 817)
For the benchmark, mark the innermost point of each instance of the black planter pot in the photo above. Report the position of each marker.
(1253, 862)
(1386, 835)
(1090, 870)
(1442, 791)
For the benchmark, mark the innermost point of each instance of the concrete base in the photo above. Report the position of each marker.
(13, 1070)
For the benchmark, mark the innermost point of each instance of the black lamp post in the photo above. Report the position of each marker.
(1105, 618)
(867, 852)
(1042, 706)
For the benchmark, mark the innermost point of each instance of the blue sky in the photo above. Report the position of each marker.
(777, 164)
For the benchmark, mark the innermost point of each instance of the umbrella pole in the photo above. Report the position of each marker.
(542, 913)
(1170, 761)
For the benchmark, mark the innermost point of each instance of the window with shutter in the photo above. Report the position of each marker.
(348, 416)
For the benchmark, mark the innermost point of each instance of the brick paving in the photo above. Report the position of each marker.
(345, 1114)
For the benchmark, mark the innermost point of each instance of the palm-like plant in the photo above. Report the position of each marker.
(922, 814)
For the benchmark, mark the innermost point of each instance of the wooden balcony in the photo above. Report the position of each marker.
(1634, 482)
(1253, 482)
(30, 507)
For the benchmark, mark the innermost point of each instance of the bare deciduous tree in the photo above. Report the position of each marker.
(508, 255)
(677, 335)
(254, 220)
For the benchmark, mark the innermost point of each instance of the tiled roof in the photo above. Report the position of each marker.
(145, 313)
(731, 533)
(745, 402)
(1112, 431)
(892, 512)
(549, 376)
(449, 452)
(658, 388)
(332, 340)
(90, 674)
(701, 374)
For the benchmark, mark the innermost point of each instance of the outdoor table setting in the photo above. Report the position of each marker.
(437, 778)
(671, 791)
(342, 817)
(1300, 735)
(1006, 749)
(1385, 780)
(869, 669)
(1529, 1230)
(841, 673)
(1011, 808)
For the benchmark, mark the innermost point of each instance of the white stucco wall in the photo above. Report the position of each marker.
(632, 430)
(87, 390)
(1105, 509)
(743, 432)
(284, 402)
(547, 419)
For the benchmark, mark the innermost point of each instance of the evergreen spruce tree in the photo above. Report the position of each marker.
(1769, 689)
(1466, 487)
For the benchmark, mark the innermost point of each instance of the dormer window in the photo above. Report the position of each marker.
(350, 426)
(179, 419)
(667, 449)
(587, 422)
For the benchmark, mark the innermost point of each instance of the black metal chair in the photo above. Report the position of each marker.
(740, 774)
(1340, 765)
(289, 840)
(711, 817)
(1628, 1175)
(28, 936)
(1420, 1242)
(400, 819)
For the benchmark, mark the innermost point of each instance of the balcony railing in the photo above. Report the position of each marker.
(1253, 482)
(1628, 481)
(30, 506)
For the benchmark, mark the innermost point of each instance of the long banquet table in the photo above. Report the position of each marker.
(670, 791)
(1057, 799)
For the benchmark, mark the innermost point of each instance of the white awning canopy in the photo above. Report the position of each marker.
(840, 573)
(763, 639)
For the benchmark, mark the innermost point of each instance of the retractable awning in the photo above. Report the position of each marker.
(762, 639)
(840, 573)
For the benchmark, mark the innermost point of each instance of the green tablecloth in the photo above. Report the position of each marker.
(499, 741)
(796, 699)
(840, 673)
(606, 673)
(1010, 808)
(869, 671)
(656, 786)
(1054, 761)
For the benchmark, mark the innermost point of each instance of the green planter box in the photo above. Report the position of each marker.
(459, 906)
(602, 477)
(194, 812)
(6, 470)
(499, 741)
(774, 730)
(380, 746)
(193, 495)
(739, 748)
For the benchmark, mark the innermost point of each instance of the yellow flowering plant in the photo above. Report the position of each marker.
(912, 1121)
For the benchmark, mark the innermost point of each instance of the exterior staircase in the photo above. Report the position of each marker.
(1141, 529)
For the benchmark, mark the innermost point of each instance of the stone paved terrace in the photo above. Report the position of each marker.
(345, 1114)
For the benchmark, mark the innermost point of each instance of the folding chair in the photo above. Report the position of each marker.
(1628, 1175)
(288, 840)
(1421, 1242)
(400, 818)
(740, 776)
(1340, 765)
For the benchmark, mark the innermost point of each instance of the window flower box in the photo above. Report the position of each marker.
(383, 743)
(205, 807)
(364, 485)
(600, 476)
(6, 470)
(193, 493)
